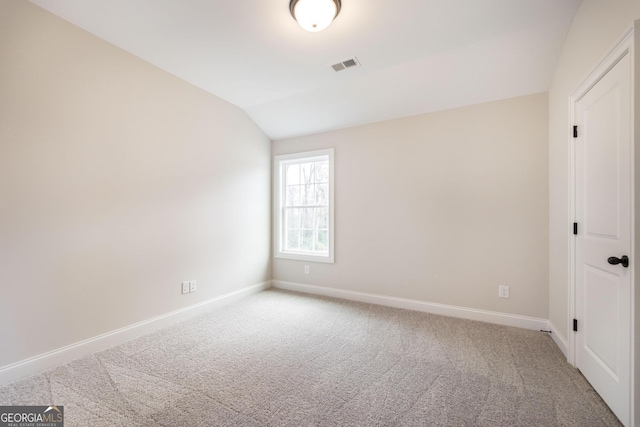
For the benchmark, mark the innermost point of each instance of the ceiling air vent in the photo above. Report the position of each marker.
(353, 62)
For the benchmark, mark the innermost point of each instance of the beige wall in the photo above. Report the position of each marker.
(117, 182)
(442, 207)
(595, 29)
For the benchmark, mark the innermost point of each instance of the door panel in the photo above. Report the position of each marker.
(603, 207)
(602, 158)
(600, 324)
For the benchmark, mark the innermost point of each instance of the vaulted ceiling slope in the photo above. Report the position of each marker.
(416, 56)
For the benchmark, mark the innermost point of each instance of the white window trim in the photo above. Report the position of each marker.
(278, 217)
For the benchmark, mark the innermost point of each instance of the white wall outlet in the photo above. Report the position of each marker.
(193, 286)
(185, 287)
(306, 269)
(503, 291)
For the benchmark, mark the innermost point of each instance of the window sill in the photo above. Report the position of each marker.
(303, 257)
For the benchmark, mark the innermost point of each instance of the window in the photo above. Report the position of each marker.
(303, 204)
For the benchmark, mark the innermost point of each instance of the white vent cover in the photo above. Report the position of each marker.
(353, 62)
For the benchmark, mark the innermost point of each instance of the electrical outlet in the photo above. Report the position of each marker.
(193, 286)
(503, 291)
(306, 269)
(185, 287)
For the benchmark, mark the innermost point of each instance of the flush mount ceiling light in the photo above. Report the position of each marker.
(314, 15)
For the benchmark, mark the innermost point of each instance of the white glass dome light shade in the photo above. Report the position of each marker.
(314, 15)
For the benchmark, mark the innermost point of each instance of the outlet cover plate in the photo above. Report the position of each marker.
(503, 292)
(185, 287)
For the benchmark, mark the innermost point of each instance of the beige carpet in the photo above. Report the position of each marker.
(284, 359)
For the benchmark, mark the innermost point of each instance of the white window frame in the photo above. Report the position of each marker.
(278, 205)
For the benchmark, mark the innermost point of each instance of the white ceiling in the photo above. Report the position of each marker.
(417, 56)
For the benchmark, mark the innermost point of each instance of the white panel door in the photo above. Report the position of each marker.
(603, 212)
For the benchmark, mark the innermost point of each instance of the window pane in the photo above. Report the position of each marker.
(307, 173)
(309, 197)
(322, 194)
(293, 196)
(292, 218)
(323, 241)
(307, 240)
(292, 174)
(307, 219)
(292, 239)
(322, 221)
(322, 171)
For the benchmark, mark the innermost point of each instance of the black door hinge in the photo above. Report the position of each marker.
(575, 131)
(575, 228)
(575, 325)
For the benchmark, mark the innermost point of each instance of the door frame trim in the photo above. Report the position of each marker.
(623, 46)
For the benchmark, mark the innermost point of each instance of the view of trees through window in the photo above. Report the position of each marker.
(306, 205)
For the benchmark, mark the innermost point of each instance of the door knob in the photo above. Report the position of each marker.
(615, 261)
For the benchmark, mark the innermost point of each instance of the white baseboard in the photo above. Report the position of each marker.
(33, 365)
(415, 305)
(559, 339)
